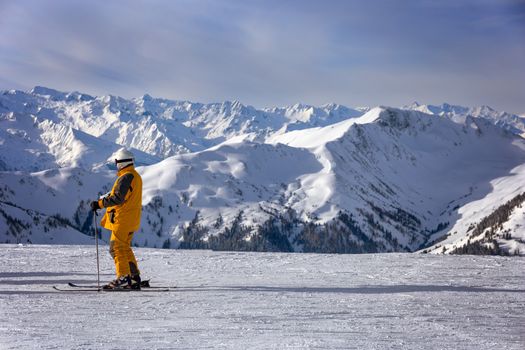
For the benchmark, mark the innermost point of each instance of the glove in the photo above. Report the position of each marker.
(94, 206)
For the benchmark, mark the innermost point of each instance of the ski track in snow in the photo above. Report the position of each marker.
(233, 300)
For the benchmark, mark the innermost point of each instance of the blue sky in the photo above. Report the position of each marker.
(266, 53)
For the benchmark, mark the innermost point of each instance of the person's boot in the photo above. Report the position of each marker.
(144, 284)
(134, 282)
(119, 283)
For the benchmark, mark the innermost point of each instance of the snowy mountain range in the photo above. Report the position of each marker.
(226, 176)
(56, 122)
(512, 122)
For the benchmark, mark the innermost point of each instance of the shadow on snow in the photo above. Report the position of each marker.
(378, 289)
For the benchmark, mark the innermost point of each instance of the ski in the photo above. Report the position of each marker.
(95, 289)
(83, 289)
(144, 285)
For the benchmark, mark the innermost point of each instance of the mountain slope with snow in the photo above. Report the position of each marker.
(508, 121)
(31, 143)
(303, 178)
(410, 165)
(402, 177)
(493, 223)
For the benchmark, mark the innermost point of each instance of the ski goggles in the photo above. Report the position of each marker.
(117, 161)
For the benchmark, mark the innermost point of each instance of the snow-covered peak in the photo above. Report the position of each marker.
(483, 110)
(389, 117)
(511, 122)
(146, 97)
(315, 116)
(233, 108)
(47, 92)
(78, 97)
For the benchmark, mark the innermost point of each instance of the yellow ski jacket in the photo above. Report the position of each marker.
(124, 203)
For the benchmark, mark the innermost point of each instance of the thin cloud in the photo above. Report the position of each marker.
(270, 52)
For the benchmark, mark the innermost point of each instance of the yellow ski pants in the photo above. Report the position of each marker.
(120, 250)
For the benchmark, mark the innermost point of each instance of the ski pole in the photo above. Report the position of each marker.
(96, 243)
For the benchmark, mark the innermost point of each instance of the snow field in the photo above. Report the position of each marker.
(231, 300)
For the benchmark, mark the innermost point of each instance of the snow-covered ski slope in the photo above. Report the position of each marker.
(263, 301)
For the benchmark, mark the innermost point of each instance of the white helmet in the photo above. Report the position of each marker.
(123, 158)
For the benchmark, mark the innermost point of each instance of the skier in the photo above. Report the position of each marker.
(122, 217)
